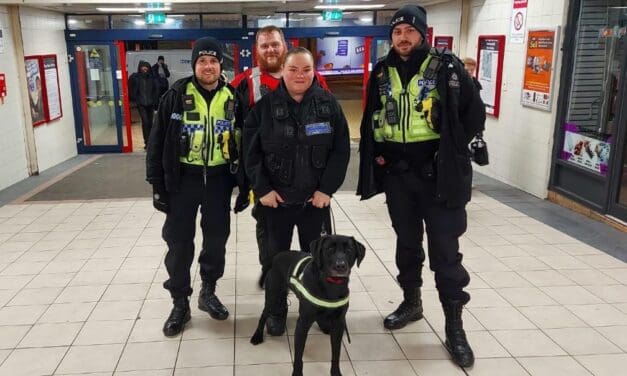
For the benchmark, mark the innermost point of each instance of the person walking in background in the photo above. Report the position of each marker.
(192, 161)
(162, 73)
(144, 92)
(422, 110)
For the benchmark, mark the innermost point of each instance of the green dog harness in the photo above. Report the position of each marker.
(298, 288)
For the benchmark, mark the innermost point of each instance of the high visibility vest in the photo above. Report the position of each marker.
(412, 108)
(207, 127)
(298, 288)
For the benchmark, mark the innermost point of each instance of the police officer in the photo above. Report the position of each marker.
(252, 84)
(191, 160)
(422, 110)
(297, 144)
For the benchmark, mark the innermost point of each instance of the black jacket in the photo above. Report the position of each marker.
(462, 117)
(279, 154)
(143, 88)
(163, 166)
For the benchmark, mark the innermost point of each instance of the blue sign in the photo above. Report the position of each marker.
(342, 47)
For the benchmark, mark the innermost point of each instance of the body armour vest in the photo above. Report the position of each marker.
(296, 148)
(406, 113)
(207, 129)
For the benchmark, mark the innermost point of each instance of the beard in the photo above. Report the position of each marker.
(274, 66)
(208, 82)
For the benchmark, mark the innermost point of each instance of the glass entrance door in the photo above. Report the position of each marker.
(616, 100)
(99, 115)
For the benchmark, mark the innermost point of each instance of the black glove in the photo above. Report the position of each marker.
(160, 198)
(241, 202)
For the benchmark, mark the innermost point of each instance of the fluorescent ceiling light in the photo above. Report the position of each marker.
(140, 22)
(133, 10)
(349, 6)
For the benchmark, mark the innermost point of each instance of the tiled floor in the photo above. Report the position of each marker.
(80, 293)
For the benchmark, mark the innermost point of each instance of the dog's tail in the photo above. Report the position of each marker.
(257, 337)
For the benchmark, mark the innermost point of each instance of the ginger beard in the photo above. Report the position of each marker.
(271, 51)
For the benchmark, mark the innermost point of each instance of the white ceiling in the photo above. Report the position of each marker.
(208, 6)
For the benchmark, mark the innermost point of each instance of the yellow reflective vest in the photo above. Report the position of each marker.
(413, 108)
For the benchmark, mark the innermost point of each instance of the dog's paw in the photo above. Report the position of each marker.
(257, 338)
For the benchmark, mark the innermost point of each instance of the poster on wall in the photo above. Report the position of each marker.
(585, 151)
(340, 55)
(539, 65)
(518, 21)
(443, 42)
(490, 71)
(53, 94)
(35, 89)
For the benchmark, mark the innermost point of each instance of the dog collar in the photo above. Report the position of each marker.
(299, 288)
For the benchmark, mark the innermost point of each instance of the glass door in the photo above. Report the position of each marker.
(616, 102)
(98, 111)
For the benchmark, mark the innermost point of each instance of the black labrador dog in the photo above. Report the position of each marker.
(320, 281)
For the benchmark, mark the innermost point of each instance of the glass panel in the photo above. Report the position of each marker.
(210, 21)
(276, 19)
(342, 55)
(384, 17)
(228, 67)
(172, 21)
(383, 47)
(94, 21)
(95, 81)
(315, 19)
(599, 51)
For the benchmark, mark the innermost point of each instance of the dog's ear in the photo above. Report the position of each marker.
(360, 249)
(315, 247)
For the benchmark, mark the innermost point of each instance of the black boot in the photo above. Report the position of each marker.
(409, 310)
(178, 317)
(456, 342)
(209, 302)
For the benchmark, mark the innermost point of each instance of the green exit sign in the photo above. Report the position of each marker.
(332, 15)
(155, 18)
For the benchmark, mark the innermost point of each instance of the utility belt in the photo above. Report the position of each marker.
(427, 169)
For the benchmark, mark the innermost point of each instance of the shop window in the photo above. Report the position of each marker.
(276, 19)
(316, 20)
(341, 55)
(593, 99)
(217, 21)
(90, 21)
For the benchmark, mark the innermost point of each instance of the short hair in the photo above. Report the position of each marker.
(469, 61)
(299, 50)
(160, 58)
(269, 30)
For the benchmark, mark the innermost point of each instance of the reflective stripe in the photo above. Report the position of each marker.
(295, 281)
(255, 79)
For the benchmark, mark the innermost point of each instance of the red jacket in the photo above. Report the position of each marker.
(253, 83)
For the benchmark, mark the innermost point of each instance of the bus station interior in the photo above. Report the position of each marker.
(81, 253)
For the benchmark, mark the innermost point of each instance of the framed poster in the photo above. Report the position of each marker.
(537, 88)
(490, 71)
(34, 81)
(443, 41)
(52, 90)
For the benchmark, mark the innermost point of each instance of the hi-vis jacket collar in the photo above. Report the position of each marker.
(297, 286)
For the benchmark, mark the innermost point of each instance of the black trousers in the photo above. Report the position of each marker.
(146, 114)
(261, 234)
(410, 201)
(279, 226)
(179, 230)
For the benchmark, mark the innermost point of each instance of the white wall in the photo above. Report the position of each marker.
(13, 164)
(42, 32)
(445, 19)
(520, 140)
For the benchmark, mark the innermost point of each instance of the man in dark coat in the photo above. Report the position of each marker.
(144, 91)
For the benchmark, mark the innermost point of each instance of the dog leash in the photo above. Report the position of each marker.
(323, 230)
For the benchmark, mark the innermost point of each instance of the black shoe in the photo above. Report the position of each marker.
(408, 311)
(276, 325)
(209, 302)
(456, 342)
(178, 317)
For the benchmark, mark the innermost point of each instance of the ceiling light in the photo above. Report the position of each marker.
(133, 10)
(348, 6)
(140, 22)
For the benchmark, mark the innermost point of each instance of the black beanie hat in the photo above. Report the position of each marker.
(207, 46)
(415, 15)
